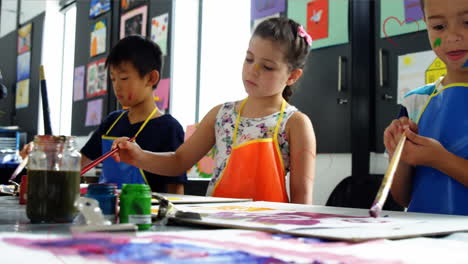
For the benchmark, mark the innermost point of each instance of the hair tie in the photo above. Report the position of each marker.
(302, 33)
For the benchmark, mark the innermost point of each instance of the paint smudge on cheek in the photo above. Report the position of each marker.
(465, 65)
(437, 42)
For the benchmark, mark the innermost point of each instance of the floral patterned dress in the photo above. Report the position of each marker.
(249, 129)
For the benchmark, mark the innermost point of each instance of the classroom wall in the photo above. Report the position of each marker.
(26, 118)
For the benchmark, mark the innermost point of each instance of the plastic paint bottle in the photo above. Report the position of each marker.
(135, 205)
(105, 195)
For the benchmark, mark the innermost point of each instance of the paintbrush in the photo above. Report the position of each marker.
(387, 179)
(45, 102)
(19, 168)
(100, 159)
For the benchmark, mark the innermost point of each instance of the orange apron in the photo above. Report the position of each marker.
(255, 168)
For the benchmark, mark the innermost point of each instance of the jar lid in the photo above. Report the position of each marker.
(132, 187)
(102, 186)
(52, 138)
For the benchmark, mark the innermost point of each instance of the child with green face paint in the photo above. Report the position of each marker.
(432, 176)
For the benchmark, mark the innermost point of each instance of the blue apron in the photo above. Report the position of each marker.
(444, 118)
(120, 173)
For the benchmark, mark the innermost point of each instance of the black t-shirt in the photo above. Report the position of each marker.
(161, 134)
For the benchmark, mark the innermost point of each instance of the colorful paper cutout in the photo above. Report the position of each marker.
(162, 91)
(98, 7)
(24, 38)
(204, 168)
(78, 83)
(317, 19)
(98, 38)
(396, 8)
(94, 112)
(23, 66)
(263, 8)
(338, 13)
(159, 31)
(134, 22)
(126, 5)
(436, 70)
(413, 10)
(22, 94)
(96, 78)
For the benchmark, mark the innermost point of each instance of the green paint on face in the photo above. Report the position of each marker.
(437, 42)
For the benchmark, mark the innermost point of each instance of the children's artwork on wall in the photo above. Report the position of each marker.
(393, 20)
(203, 168)
(24, 38)
(98, 38)
(23, 66)
(94, 112)
(317, 19)
(159, 31)
(134, 22)
(417, 69)
(332, 22)
(162, 92)
(98, 7)
(96, 79)
(126, 5)
(263, 8)
(260, 20)
(22, 94)
(78, 83)
(413, 11)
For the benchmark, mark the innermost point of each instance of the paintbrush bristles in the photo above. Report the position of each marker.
(387, 179)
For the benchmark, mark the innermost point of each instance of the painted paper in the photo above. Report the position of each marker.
(159, 31)
(338, 17)
(22, 94)
(263, 8)
(127, 5)
(192, 199)
(23, 66)
(162, 93)
(317, 19)
(98, 38)
(96, 78)
(413, 10)
(24, 38)
(414, 70)
(204, 168)
(93, 112)
(225, 246)
(134, 22)
(98, 7)
(78, 83)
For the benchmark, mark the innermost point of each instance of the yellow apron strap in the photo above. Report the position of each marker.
(429, 100)
(280, 118)
(234, 137)
(146, 121)
(115, 122)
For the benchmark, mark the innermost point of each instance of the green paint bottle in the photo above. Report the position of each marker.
(135, 205)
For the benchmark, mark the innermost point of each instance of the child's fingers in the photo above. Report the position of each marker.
(415, 138)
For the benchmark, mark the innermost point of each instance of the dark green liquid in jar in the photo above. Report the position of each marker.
(51, 195)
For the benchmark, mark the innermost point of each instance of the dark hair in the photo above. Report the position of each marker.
(284, 31)
(144, 54)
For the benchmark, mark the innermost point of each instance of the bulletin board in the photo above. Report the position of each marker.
(91, 104)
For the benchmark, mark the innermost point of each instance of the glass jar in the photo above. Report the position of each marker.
(53, 179)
